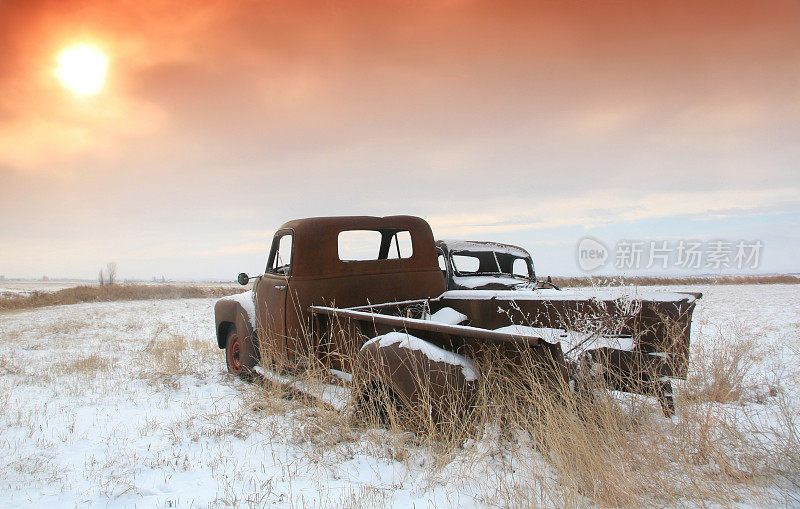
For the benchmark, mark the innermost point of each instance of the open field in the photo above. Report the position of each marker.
(15, 287)
(27, 298)
(128, 403)
(10, 288)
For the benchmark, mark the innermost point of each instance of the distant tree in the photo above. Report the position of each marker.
(111, 272)
(101, 278)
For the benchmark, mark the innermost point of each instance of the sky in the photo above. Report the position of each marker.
(536, 123)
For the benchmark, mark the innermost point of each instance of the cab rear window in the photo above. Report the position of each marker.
(385, 244)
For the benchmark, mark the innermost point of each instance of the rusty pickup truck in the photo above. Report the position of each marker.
(322, 299)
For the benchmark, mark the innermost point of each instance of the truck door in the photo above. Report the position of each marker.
(271, 298)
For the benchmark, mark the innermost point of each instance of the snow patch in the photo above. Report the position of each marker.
(545, 333)
(447, 316)
(485, 247)
(549, 294)
(245, 299)
(431, 351)
(341, 375)
(478, 281)
(625, 343)
(572, 342)
(334, 395)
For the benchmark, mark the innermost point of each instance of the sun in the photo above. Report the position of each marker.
(82, 69)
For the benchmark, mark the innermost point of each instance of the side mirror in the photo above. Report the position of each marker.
(550, 282)
(243, 279)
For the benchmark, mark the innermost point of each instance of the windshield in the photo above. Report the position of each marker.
(490, 263)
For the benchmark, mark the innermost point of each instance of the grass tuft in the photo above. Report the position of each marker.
(90, 365)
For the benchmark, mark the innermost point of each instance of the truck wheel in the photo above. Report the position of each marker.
(239, 354)
(377, 402)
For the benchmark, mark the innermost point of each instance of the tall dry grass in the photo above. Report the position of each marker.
(568, 445)
(720, 369)
(124, 292)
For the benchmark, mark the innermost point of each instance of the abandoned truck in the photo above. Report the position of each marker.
(320, 300)
(483, 265)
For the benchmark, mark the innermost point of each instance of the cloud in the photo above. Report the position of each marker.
(601, 208)
(487, 117)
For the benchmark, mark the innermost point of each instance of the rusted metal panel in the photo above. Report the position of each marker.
(656, 326)
(318, 277)
(414, 324)
(316, 254)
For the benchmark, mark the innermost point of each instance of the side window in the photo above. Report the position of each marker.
(442, 263)
(281, 257)
(520, 268)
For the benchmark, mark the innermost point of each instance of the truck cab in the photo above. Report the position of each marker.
(330, 261)
(474, 265)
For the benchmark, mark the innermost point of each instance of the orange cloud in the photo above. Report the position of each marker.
(229, 115)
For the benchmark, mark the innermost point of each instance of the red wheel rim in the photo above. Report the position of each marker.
(233, 354)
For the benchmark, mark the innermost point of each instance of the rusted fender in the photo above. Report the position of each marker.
(428, 381)
(238, 310)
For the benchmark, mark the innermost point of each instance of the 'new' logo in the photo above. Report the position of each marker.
(591, 254)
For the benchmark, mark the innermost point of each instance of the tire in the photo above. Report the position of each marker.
(239, 354)
(377, 402)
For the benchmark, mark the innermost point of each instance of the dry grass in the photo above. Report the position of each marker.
(89, 366)
(720, 369)
(168, 357)
(577, 281)
(8, 367)
(167, 353)
(567, 448)
(789, 450)
(124, 292)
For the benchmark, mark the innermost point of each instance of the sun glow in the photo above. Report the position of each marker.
(82, 69)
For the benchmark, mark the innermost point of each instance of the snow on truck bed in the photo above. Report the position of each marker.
(432, 352)
(448, 316)
(600, 294)
(128, 404)
(572, 343)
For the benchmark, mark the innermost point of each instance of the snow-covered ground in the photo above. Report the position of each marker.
(21, 288)
(128, 404)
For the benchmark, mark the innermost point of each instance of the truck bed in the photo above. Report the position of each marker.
(650, 322)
